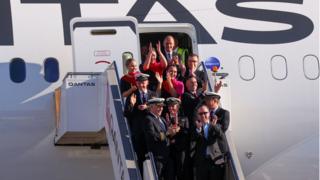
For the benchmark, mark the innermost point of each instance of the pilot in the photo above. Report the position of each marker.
(212, 100)
(157, 135)
(135, 112)
(179, 143)
(210, 146)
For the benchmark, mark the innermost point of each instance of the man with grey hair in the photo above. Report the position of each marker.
(169, 45)
(157, 138)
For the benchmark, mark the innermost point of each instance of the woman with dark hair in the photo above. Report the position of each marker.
(172, 87)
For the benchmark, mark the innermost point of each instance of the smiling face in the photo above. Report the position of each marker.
(156, 109)
(173, 108)
(203, 114)
(153, 56)
(169, 44)
(172, 70)
(193, 63)
(211, 102)
(192, 84)
(132, 66)
(142, 85)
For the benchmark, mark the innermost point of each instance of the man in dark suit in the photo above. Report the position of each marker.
(179, 143)
(211, 147)
(156, 135)
(212, 100)
(135, 112)
(191, 98)
(169, 45)
(191, 70)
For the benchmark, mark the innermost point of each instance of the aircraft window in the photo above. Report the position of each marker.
(279, 67)
(311, 67)
(51, 70)
(246, 67)
(103, 32)
(17, 70)
(125, 57)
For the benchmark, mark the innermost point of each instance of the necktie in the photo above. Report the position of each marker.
(143, 98)
(169, 56)
(163, 127)
(212, 113)
(206, 130)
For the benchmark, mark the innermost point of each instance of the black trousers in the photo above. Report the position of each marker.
(182, 165)
(140, 148)
(207, 170)
(165, 168)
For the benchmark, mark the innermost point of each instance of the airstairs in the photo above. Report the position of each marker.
(79, 114)
(89, 106)
(89, 110)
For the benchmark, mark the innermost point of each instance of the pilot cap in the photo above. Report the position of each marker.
(142, 77)
(158, 101)
(172, 100)
(212, 95)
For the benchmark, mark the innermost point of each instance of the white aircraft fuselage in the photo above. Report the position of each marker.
(269, 48)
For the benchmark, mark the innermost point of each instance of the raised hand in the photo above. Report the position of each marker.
(142, 107)
(217, 86)
(175, 60)
(198, 124)
(204, 86)
(171, 131)
(150, 47)
(133, 99)
(214, 120)
(158, 77)
(133, 88)
(158, 46)
(167, 119)
(168, 76)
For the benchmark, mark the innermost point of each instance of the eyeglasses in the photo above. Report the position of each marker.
(202, 113)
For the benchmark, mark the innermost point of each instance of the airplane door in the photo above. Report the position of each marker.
(183, 28)
(98, 42)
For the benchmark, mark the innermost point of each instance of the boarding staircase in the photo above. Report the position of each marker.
(118, 131)
(89, 110)
(79, 114)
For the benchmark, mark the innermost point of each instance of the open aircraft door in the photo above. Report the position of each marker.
(98, 42)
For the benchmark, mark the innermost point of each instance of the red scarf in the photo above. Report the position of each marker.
(130, 77)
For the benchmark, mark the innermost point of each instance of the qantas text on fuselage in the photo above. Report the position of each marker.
(140, 9)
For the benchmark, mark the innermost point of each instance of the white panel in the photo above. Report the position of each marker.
(279, 69)
(246, 68)
(311, 67)
(98, 42)
(82, 104)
